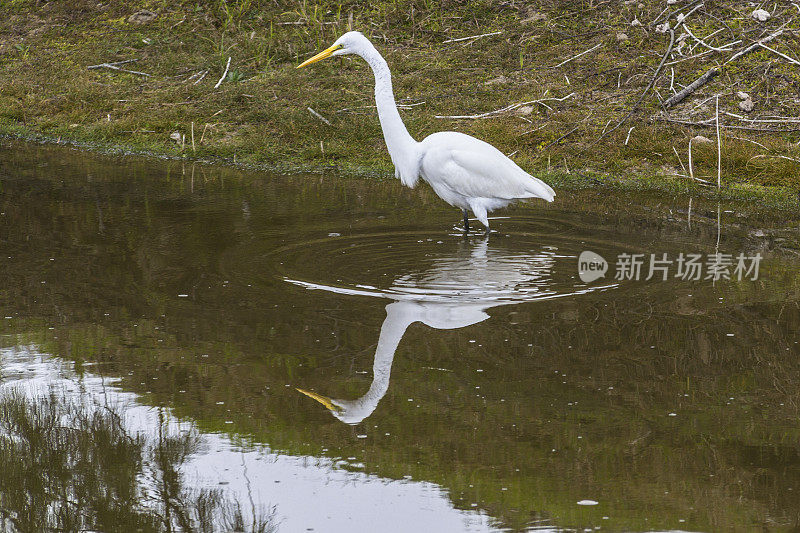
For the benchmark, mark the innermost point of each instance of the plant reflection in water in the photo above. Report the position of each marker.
(70, 465)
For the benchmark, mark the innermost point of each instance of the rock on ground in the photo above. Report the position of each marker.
(142, 17)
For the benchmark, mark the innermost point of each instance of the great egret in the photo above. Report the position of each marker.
(464, 171)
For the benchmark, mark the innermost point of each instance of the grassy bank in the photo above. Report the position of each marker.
(169, 103)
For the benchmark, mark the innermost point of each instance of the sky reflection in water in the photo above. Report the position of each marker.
(307, 493)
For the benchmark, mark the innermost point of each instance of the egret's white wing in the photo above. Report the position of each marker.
(496, 176)
(477, 169)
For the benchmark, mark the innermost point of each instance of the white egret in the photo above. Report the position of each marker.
(464, 171)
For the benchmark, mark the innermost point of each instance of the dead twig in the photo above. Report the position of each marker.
(595, 47)
(399, 106)
(679, 159)
(692, 87)
(505, 109)
(323, 119)
(710, 124)
(112, 63)
(719, 150)
(115, 66)
(705, 44)
(224, 73)
(682, 18)
(304, 22)
(628, 138)
(532, 131)
(696, 5)
(200, 74)
(787, 58)
(775, 155)
(766, 120)
(748, 140)
(203, 75)
(202, 136)
(472, 37)
(689, 58)
(753, 46)
(178, 23)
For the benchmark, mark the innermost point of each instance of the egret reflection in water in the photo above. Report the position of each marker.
(452, 291)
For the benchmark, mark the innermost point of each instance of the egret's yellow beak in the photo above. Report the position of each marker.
(319, 57)
(324, 400)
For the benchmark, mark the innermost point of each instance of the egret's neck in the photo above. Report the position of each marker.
(399, 316)
(403, 149)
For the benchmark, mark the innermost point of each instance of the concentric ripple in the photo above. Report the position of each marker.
(489, 270)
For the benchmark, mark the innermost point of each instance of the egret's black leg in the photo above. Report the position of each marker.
(466, 221)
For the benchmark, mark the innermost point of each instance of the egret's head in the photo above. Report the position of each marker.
(352, 42)
(331, 404)
(349, 412)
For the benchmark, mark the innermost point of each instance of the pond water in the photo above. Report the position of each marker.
(186, 347)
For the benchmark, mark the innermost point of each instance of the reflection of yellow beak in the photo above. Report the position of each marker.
(324, 400)
(319, 57)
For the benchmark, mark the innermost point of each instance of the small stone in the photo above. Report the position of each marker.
(525, 110)
(498, 80)
(699, 139)
(742, 95)
(142, 16)
(663, 28)
(635, 22)
(175, 136)
(747, 105)
(761, 15)
(672, 2)
(534, 17)
(640, 6)
(622, 37)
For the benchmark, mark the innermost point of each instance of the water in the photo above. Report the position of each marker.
(213, 349)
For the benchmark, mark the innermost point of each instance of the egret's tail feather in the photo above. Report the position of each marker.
(479, 210)
(540, 189)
